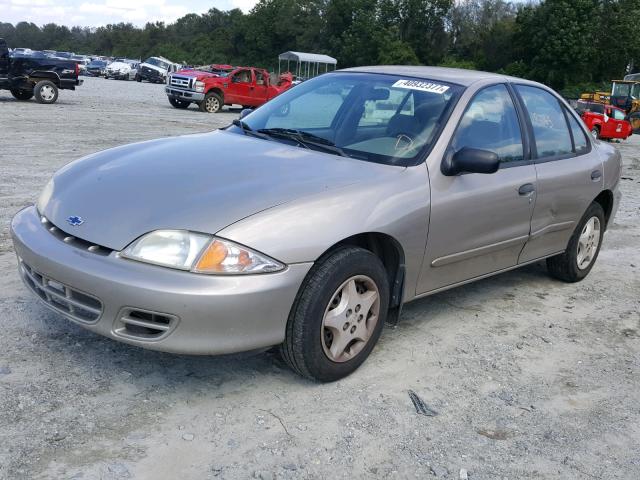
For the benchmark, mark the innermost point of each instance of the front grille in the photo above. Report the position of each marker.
(181, 82)
(150, 72)
(144, 324)
(72, 240)
(62, 298)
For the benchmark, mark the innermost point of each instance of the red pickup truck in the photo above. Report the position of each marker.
(211, 90)
(604, 121)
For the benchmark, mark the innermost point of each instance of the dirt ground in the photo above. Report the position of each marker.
(530, 378)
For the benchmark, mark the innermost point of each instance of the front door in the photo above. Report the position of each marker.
(480, 222)
(239, 87)
(569, 171)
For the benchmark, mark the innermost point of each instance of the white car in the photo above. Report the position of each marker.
(156, 69)
(122, 70)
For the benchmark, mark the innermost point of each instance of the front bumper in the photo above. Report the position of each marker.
(186, 95)
(117, 75)
(209, 314)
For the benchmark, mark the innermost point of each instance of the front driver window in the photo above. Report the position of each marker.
(243, 76)
(491, 123)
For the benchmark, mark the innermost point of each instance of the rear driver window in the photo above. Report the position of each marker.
(549, 125)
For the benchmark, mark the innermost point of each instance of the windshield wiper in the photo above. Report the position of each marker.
(305, 139)
(247, 130)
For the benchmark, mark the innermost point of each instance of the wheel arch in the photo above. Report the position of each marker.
(36, 77)
(390, 253)
(605, 199)
(217, 91)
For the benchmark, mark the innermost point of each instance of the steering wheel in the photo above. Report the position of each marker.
(404, 141)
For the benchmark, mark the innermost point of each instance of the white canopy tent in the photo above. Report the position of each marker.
(306, 65)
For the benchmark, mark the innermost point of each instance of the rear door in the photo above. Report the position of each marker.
(569, 171)
(259, 90)
(480, 222)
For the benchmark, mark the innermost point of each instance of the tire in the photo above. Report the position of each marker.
(212, 103)
(595, 131)
(178, 103)
(308, 347)
(46, 92)
(138, 79)
(568, 266)
(22, 94)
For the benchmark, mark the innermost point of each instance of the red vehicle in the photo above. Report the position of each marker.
(216, 87)
(604, 121)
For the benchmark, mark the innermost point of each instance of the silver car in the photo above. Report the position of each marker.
(311, 220)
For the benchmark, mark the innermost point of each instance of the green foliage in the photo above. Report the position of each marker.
(452, 62)
(574, 91)
(563, 43)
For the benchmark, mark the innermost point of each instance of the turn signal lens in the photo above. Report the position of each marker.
(212, 257)
(225, 257)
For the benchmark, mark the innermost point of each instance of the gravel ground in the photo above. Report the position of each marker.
(529, 378)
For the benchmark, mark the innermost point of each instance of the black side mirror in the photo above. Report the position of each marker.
(470, 160)
(245, 112)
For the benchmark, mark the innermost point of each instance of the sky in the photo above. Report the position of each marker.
(94, 13)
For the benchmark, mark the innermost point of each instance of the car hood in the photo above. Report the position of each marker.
(118, 65)
(199, 182)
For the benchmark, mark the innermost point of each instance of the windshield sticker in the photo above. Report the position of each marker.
(422, 86)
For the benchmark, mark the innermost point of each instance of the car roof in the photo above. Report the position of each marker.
(451, 75)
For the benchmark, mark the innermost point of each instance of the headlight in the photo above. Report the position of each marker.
(199, 86)
(199, 253)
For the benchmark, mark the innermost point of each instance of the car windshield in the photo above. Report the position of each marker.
(621, 90)
(380, 118)
(157, 63)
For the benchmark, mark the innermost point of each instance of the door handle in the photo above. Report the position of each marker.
(526, 189)
(596, 175)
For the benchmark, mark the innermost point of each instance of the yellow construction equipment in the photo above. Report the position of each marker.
(625, 94)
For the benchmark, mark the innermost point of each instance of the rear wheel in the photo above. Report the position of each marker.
(338, 315)
(212, 103)
(578, 259)
(22, 94)
(178, 103)
(46, 91)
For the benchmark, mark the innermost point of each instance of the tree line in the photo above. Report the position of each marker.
(566, 44)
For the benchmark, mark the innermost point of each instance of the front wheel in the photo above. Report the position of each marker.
(46, 92)
(176, 103)
(584, 245)
(595, 131)
(22, 94)
(212, 103)
(338, 315)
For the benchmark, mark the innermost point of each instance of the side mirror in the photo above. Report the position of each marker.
(245, 112)
(470, 160)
